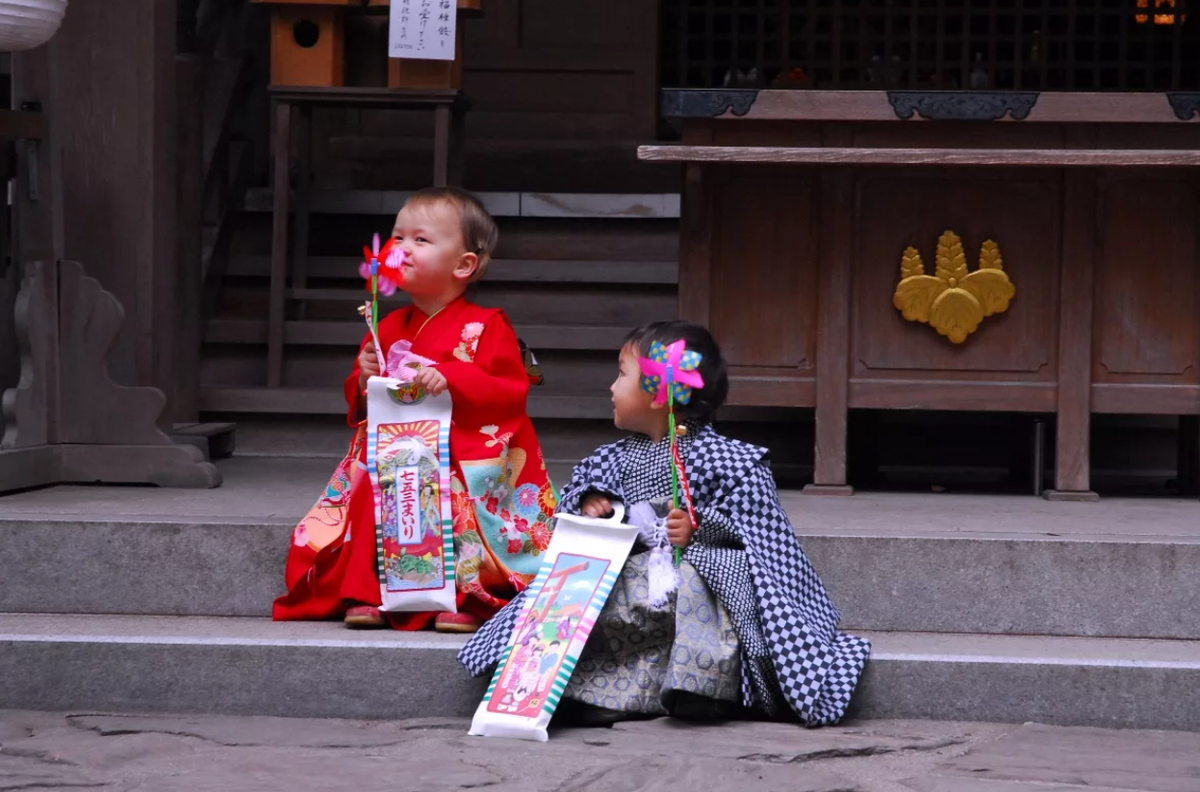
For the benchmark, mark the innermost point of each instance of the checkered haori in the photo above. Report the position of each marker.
(749, 555)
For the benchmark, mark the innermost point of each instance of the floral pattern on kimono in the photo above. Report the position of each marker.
(502, 501)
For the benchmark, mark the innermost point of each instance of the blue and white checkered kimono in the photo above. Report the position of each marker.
(746, 551)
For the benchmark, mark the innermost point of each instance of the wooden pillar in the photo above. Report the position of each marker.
(833, 326)
(279, 243)
(10, 363)
(118, 123)
(697, 218)
(190, 81)
(38, 237)
(1072, 473)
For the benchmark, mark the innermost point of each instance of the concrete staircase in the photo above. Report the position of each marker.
(980, 608)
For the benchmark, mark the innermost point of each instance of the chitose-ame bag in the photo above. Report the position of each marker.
(408, 461)
(561, 606)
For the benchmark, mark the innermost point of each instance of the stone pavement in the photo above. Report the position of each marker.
(48, 751)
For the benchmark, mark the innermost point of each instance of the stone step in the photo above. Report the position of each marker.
(251, 666)
(920, 563)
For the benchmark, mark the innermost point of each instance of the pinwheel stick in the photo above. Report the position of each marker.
(671, 431)
(375, 297)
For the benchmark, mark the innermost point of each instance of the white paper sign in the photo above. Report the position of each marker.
(422, 29)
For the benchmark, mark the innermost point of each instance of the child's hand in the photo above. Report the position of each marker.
(432, 380)
(596, 505)
(368, 364)
(680, 528)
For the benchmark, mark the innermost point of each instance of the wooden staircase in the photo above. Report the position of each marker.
(574, 273)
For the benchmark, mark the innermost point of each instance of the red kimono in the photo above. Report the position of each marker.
(501, 497)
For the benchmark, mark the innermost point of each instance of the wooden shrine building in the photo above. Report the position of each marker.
(970, 205)
(947, 236)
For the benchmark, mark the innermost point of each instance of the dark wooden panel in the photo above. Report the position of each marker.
(959, 136)
(907, 394)
(1148, 277)
(546, 91)
(533, 70)
(1145, 398)
(762, 303)
(753, 387)
(571, 27)
(763, 134)
(1146, 136)
(1020, 216)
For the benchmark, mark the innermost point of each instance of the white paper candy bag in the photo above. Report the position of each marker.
(561, 606)
(408, 460)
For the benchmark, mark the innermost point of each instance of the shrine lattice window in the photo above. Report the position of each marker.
(1041, 45)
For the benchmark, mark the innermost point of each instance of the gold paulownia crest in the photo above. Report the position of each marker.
(954, 301)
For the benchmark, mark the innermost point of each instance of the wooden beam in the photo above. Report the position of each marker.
(350, 334)
(359, 97)
(1152, 107)
(1072, 479)
(836, 258)
(331, 401)
(1045, 158)
(499, 271)
(602, 206)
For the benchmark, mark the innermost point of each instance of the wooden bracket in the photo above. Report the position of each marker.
(92, 430)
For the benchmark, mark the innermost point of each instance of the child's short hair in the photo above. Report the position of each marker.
(479, 232)
(705, 401)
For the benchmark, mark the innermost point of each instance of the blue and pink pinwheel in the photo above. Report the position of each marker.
(671, 372)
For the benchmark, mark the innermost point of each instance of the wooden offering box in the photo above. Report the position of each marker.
(814, 243)
(308, 41)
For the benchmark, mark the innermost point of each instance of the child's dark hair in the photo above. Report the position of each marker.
(479, 232)
(705, 401)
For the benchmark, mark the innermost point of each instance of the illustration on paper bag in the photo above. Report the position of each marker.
(545, 631)
(410, 486)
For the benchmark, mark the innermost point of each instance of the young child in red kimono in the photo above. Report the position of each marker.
(501, 497)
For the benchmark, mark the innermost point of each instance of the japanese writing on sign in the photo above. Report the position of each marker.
(408, 506)
(422, 29)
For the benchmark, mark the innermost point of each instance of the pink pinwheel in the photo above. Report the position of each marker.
(683, 364)
(385, 264)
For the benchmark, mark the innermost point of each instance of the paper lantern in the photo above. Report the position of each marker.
(25, 24)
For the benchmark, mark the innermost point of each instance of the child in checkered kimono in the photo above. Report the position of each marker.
(743, 625)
